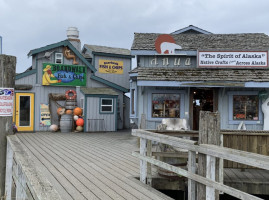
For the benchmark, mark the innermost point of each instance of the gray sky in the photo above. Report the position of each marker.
(30, 24)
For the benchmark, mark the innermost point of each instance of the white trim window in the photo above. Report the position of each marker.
(106, 105)
(58, 58)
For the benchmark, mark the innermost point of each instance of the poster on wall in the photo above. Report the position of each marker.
(63, 75)
(110, 67)
(6, 101)
(233, 59)
(44, 115)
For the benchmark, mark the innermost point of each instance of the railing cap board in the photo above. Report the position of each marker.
(195, 177)
(243, 157)
(38, 184)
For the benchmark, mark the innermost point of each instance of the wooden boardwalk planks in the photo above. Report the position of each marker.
(89, 166)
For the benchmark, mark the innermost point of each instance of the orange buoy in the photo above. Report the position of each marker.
(80, 122)
(70, 94)
(77, 111)
(60, 111)
(69, 112)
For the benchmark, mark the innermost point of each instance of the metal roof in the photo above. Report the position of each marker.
(98, 91)
(110, 50)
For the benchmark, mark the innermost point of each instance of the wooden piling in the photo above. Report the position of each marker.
(209, 133)
(7, 80)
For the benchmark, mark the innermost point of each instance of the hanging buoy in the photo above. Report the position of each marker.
(77, 111)
(70, 94)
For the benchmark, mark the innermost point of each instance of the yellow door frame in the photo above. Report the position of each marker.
(17, 111)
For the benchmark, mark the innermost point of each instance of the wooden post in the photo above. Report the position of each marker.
(149, 154)
(209, 133)
(8, 183)
(143, 164)
(7, 80)
(192, 169)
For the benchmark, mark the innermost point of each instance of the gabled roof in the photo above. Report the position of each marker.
(191, 30)
(109, 50)
(59, 44)
(246, 41)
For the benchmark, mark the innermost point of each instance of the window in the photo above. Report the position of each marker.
(106, 105)
(245, 107)
(58, 58)
(165, 105)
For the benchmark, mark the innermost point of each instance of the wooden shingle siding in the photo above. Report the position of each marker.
(257, 41)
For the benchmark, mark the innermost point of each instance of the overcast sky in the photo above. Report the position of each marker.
(30, 24)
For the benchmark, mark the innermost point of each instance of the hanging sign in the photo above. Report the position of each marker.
(110, 67)
(6, 101)
(233, 59)
(64, 75)
(44, 115)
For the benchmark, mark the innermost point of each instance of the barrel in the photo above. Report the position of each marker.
(66, 123)
(70, 104)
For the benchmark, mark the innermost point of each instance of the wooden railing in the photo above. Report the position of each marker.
(25, 176)
(209, 184)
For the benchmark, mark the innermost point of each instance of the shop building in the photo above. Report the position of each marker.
(97, 74)
(181, 73)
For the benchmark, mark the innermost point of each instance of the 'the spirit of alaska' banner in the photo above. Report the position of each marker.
(64, 75)
(111, 67)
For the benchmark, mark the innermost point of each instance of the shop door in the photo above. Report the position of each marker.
(24, 114)
(202, 100)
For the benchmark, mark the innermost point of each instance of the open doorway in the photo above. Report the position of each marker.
(202, 100)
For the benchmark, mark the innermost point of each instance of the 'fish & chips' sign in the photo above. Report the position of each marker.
(110, 67)
(64, 75)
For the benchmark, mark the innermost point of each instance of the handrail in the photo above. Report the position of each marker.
(212, 152)
(21, 168)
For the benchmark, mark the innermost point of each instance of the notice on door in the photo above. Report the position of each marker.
(6, 101)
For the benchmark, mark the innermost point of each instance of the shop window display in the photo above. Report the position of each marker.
(165, 105)
(245, 107)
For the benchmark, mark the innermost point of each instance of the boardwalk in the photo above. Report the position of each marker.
(100, 166)
(89, 166)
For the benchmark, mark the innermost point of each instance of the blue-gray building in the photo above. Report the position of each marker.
(98, 74)
(181, 73)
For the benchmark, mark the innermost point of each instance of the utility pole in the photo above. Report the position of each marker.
(7, 80)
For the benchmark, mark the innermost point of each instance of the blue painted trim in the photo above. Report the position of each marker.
(1, 45)
(24, 74)
(135, 101)
(182, 94)
(257, 85)
(85, 114)
(191, 27)
(116, 115)
(154, 53)
(108, 83)
(59, 44)
(100, 106)
(230, 107)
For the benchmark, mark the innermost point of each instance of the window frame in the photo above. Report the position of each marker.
(181, 93)
(58, 58)
(231, 95)
(112, 106)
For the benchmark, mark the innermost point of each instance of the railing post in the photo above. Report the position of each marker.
(143, 164)
(209, 133)
(9, 164)
(149, 154)
(211, 174)
(192, 169)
